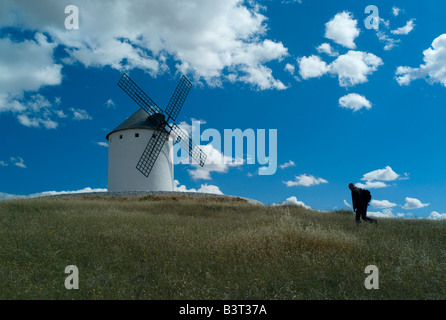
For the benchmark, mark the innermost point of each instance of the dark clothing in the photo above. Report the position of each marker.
(357, 199)
(359, 206)
(361, 212)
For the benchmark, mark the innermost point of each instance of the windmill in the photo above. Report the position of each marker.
(161, 128)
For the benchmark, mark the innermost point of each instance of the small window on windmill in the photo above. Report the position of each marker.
(120, 137)
(136, 135)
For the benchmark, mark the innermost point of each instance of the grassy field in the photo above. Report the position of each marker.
(159, 247)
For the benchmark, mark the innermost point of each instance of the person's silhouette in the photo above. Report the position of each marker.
(359, 205)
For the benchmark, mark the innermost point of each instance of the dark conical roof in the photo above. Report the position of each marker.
(139, 120)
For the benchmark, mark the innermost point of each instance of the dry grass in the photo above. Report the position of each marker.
(161, 247)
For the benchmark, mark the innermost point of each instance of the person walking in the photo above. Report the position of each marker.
(360, 204)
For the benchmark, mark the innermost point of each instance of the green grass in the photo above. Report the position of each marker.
(160, 247)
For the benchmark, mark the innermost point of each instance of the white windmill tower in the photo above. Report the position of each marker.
(140, 152)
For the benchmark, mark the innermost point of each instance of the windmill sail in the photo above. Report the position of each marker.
(139, 96)
(164, 128)
(151, 152)
(178, 98)
(187, 144)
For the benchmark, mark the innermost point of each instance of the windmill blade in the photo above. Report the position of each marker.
(152, 150)
(139, 96)
(178, 98)
(187, 144)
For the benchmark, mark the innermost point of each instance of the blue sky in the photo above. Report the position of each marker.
(350, 104)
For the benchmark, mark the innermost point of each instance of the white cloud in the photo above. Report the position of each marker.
(50, 193)
(433, 69)
(102, 144)
(311, 67)
(385, 22)
(437, 216)
(27, 66)
(55, 193)
(182, 188)
(215, 162)
(287, 164)
(396, 11)
(110, 103)
(406, 176)
(60, 113)
(80, 114)
(406, 29)
(27, 122)
(342, 29)
(347, 204)
(8, 103)
(36, 122)
(390, 43)
(386, 174)
(386, 213)
(18, 161)
(194, 125)
(375, 179)
(413, 203)
(261, 77)
(204, 188)
(371, 185)
(49, 124)
(381, 204)
(3, 164)
(354, 101)
(290, 68)
(4, 196)
(327, 49)
(353, 67)
(33, 111)
(202, 174)
(405, 75)
(291, 1)
(211, 39)
(305, 180)
(292, 201)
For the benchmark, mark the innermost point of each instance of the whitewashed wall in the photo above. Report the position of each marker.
(123, 156)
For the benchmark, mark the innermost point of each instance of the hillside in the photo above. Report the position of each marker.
(164, 247)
